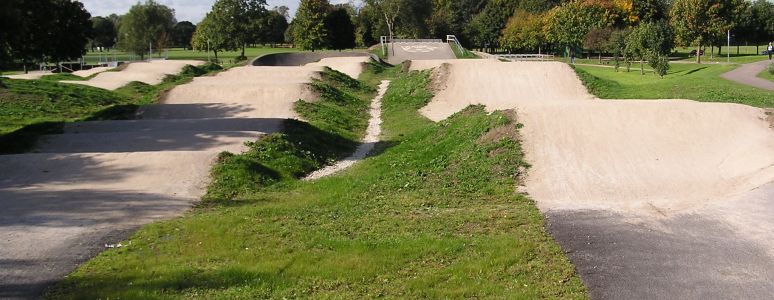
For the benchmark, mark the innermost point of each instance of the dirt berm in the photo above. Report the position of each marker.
(618, 169)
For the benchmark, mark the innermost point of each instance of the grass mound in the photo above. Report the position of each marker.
(433, 215)
(336, 123)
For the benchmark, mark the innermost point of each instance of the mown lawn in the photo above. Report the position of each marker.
(684, 81)
(434, 214)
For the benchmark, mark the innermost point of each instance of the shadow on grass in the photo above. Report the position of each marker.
(695, 70)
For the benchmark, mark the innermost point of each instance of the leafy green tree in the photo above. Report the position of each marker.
(650, 10)
(146, 24)
(757, 23)
(276, 25)
(241, 21)
(453, 17)
(309, 31)
(617, 46)
(697, 22)
(182, 33)
(209, 36)
(68, 33)
(341, 31)
(569, 23)
(651, 41)
(10, 18)
(486, 27)
(524, 31)
(104, 33)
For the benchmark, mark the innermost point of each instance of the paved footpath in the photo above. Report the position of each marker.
(748, 74)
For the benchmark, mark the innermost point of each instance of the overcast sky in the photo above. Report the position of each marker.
(185, 10)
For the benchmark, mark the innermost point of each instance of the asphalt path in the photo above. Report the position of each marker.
(748, 74)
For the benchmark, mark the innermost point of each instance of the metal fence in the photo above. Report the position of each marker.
(525, 57)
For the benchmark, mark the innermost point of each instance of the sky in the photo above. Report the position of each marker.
(185, 10)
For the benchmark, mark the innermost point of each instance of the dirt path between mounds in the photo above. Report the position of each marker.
(650, 198)
(748, 74)
(99, 181)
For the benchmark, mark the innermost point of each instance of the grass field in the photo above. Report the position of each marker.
(29, 108)
(684, 81)
(433, 215)
(226, 57)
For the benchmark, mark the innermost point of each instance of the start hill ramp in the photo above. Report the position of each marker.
(651, 198)
(94, 184)
(403, 50)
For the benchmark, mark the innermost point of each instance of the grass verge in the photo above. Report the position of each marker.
(683, 81)
(768, 73)
(433, 215)
(30, 108)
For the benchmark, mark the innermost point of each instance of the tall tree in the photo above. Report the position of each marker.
(309, 32)
(182, 33)
(240, 20)
(146, 24)
(524, 31)
(104, 31)
(209, 36)
(276, 26)
(569, 23)
(485, 28)
(698, 22)
(69, 32)
(341, 31)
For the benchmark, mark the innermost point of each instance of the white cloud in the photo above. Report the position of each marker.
(185, 10)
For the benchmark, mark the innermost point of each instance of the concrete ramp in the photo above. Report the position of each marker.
(403, 51)
(653, 198)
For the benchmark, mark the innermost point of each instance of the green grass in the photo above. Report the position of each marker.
(683, 81)
(464, 54)
(747, 54)
(30, 108)
(432, 215)
(768, 73)
(227, 58)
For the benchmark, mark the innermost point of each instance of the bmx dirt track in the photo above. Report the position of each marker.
(650, 198)
(97, 182)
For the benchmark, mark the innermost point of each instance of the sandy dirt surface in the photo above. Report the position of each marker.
(401, 52)
(262, 92)
(99, 181)
(649, 197)
(152, 72)
(29, 76)
(373, 132)
(92, 71)
(748, 74)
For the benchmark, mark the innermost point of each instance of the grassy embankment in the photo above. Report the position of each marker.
(434, 214)
(683, 81)
(768, 73)
(30, 108)
(227, 58)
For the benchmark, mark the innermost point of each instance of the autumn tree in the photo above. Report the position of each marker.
(597, 40)
(524, 31)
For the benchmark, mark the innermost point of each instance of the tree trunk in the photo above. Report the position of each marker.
(600, 57)
(642, 66)
(720, 50)
(216, 55)
(243, 50)
(698, 54)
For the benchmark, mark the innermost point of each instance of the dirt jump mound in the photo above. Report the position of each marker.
(152, 72)
(651, 198)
